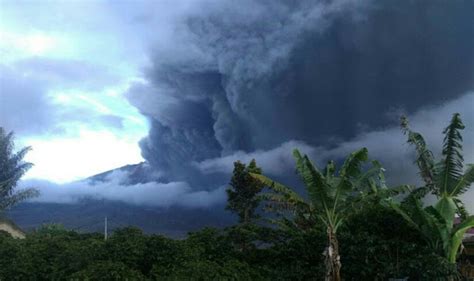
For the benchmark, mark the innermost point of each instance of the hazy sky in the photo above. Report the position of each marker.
(192, 86)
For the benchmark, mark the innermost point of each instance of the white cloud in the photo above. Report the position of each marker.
(15, 45)
(274, 161)
(63, 159)
(148, 194)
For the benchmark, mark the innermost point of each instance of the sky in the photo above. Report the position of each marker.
(189, 87)
(64, 68)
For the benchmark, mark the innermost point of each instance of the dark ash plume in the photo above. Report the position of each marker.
(255, 74)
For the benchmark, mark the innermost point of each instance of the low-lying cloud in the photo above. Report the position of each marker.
(112, 188)
(276, 161)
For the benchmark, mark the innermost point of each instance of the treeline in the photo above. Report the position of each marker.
(376, 244)
(349, 225)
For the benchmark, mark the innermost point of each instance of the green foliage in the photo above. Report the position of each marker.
(12, 168)
(333, 197)
(210, 270)
(243, 190)
(450, 169)
(107, 270)
(378, 244)
(295, 256)
(446, 179)
(441, 235)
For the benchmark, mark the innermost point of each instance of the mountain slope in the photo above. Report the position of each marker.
(88, 214)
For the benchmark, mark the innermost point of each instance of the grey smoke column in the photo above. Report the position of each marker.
(251, 75)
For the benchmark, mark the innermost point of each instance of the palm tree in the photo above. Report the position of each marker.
(12, 168)
(332, 197)
(447, 180)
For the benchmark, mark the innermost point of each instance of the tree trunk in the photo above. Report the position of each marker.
(332, 258)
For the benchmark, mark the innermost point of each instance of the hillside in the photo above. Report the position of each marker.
(88, 214)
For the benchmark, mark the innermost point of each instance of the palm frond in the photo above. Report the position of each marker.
(352, 165)
(387, 193)
(279, 203)
(432, 225)
(18, 157)
(8, 201)
(404, 214)
(330, 169)
(6, 144)
(279, 188)
(461, 209)
(314, 180)
(465, 182)
(451, 167)
(12, 168)
(424, 160)
(365, 180)
(419, 192)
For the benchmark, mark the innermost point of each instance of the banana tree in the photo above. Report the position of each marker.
(447, 179)
(331, 197)
(441, 235)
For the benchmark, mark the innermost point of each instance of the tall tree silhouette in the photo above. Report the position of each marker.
(243, 190)
(12, 168)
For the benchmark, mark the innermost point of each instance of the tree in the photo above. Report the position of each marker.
(442, 236)
(446, 179)
(108, 270)
(331, 198)
(243, 190)
(379, 244)
(12, 168)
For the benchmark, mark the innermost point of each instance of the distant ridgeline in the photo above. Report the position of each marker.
(88, 214)
(136, 173)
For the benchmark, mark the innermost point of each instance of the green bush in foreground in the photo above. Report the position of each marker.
(370, 247)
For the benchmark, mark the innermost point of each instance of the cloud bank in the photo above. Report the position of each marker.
(114, 188)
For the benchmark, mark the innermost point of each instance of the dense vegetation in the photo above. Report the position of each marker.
(350, 224)
(374, 244)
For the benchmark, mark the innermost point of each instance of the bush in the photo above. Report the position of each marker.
(108, 270)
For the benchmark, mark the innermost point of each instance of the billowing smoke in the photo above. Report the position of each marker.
(138, 185)
(237, 80)
(387, 145)
(251, 75)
